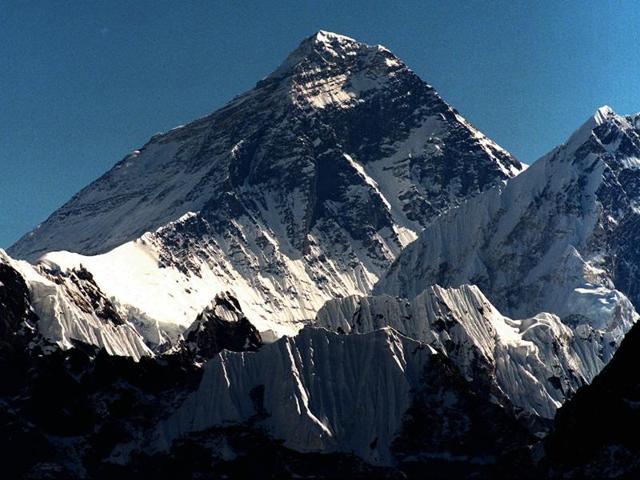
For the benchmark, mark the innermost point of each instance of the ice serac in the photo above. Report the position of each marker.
(326, 392)
(535, 363)
(560, 238)
(302, 189)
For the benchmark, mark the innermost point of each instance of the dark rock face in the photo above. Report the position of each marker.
(454, 430)
(17, 320)
(63, 413)
(595, 434)
(449, 432)
(66, 413)
(221, 326)
(248, 453)
(618, 140)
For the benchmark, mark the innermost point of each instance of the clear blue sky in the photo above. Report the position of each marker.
(84, 82)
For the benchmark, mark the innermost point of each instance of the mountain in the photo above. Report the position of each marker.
(351, 393)
(207, 307)
(374, 404)
(18, 322)
(221, 326)
(559, 238)
(319, 404)
(529, 366)
(303, 189)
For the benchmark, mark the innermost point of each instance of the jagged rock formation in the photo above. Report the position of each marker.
(17, 319)
(331, 404)
(306, 190)
(61, 414)
(221, 326)
(71, 308)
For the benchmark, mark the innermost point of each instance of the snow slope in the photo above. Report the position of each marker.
(318, 391)
(594, 435)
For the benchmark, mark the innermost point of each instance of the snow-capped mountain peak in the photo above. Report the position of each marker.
(324, 48)
(559, 238)
(603, 115)
(303, 189)
(331, 70)
(317, 45)
(233, 260)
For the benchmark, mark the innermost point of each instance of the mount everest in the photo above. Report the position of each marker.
(336, 262)
(266, 197)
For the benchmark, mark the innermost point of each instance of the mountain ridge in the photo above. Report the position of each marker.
(558, 238)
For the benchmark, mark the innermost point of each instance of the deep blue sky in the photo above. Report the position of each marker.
(84, 82)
